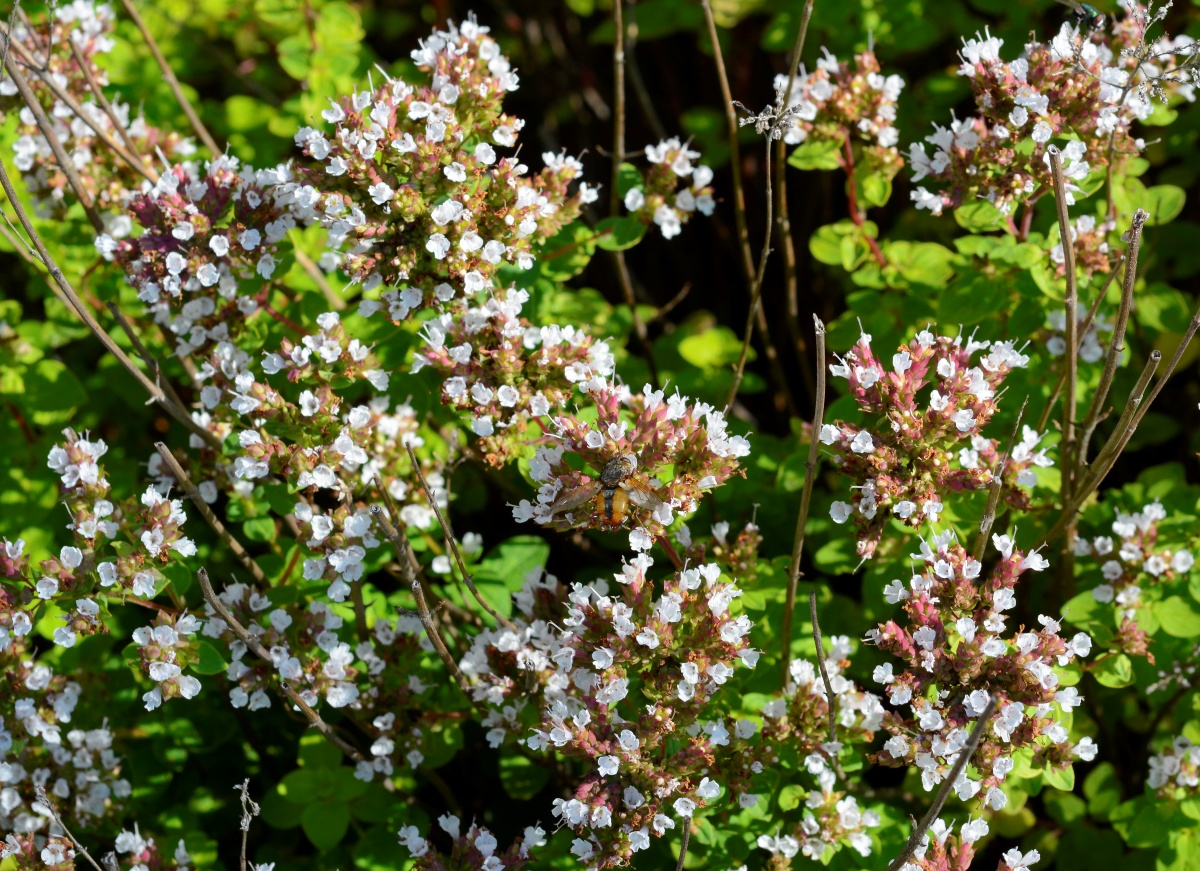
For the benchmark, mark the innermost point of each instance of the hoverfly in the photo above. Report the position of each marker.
(1084, 14)
(611, 493)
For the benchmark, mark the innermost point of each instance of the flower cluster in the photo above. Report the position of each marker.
(905, 467)
(1077, 87)
(956, 658)
(1089, 243)
(164, 649)
(660, 199)
(204, 234)
(837, 103)
(1091, 349)
(631, 688)
(1133, 559)
(107, 178)
(942, 850)
(504, 370)
(473, 850)
(654, 432)
(412, 189)
(1175, 769)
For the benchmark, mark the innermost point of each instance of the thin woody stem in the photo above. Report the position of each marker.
(152, 362)
(235, 546)
(939, 801)
(98, 93)
(989, 513)
(683, 843)
(451, 545)
(755, 288)
(810, 474)
(169, 77)
(1072, 325)
(830, 698)
(1116, 346)
(406, 558)
(157, 394)
(314, 719)
(39, 792)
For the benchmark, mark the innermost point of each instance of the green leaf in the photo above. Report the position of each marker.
(259, 529)
(52, 392)
(714, 348)
(1103, 790)
(521, 778)
(1182, 852)
(826, 243)
(1164, 202)
(792, 796)
(876, 189)
(325, 823)
(816, 154)
(568, 252)
(979, 217)
(1116, 671)
(620, 233)
(628, 178)
(1178, 617)
(210, 662)
(1063, 779)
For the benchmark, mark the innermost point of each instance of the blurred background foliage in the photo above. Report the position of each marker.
(259, 69)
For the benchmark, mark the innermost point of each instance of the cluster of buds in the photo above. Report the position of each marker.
(1089, 244)
(204, 234)
(1091, 349)
(502, 370)
(164, 650)
(942, 850)
(1077, 87)
(631, 437)
(474, 850)
(904, 469)
(64, 51)
(1133, 559)
(839, 104)
(1175, 770)
(956, 659)
(660, 199)
(412, 189)
(629, 685)
(737, 555)
(74, 765)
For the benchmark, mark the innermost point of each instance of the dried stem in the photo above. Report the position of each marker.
(989, 513)
(250, 809)
(185, 483)
(47, 130)
(683, 843)
(830, 698)
(1083, 328)
(810, 474)
(755, 287)
(614, 196)
(1116, 346)
(102, 100)
(1072, 324)
(152, 363)
(451, 545)
(39, 792)
(406, 558)
(939, 801)
(157, 394)
(258, 650)
(169, 76)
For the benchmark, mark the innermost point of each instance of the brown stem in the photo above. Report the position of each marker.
(235, 546)
(989, 513)
(152, 363)
(1116, 346)
(1072, 325)
(157, 394)
(43, 799)
(939, 801)
(810, 474)
(755, 288)
(360, 612)
(683, 843)
(65, 164)
(313, 271)
(314, 719)
(102, 100)
(856, 214)
(830, 698)
(672, 554)
(406, 559)
(169, 77)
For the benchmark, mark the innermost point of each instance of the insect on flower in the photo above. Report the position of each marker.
(611, 493)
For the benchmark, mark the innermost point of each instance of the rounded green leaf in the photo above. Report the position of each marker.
(325, 823)
(1178, 617)
(210, 662)
(1116, 671)
(521, 778)
(618, 234)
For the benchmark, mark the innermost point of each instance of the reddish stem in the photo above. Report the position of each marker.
(672, 554)
(856, 215)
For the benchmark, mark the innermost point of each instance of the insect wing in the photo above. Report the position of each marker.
(1074, 5)
(572, 499)
(643, 497)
